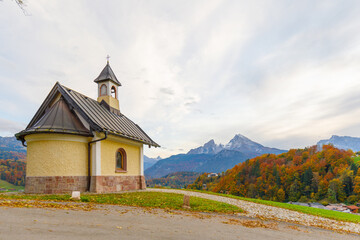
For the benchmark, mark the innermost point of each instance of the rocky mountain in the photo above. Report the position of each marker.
(342, 142)
(211, 157)
(208, 148)
(238, 143)
(242, 144)
(148, 162)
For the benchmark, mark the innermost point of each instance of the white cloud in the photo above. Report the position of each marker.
(282, 73)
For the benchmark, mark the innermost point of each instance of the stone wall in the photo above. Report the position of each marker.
(104, 184)
(56, 184)
(99, 184)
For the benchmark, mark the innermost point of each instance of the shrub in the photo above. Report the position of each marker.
(303, 199)
(324, 202)
(352, 199)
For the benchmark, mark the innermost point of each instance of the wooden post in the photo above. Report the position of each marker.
(186, 202)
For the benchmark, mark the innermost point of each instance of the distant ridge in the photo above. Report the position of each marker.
(211, 157)
(148, 162)
(11, 144)
(208, 148)
(342, 142)
(238, 143)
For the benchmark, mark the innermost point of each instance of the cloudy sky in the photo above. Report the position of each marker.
(283, 73)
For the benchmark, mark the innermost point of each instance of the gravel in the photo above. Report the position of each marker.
(274, 213)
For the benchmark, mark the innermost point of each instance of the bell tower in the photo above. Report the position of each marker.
(108, 87)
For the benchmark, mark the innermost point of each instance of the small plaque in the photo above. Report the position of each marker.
(75, 195)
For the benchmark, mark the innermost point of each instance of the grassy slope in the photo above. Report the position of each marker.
(4, 184)
(140, 199)
(308, 210)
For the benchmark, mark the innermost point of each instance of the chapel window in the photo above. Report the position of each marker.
(103, 90)
(120, 160)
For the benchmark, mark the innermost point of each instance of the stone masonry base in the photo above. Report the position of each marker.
(55, 184)
(106, 184)
(67, 184)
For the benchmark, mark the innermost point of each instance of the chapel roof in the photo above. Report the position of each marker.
(97, 115)
(59, 119)
(107, 74)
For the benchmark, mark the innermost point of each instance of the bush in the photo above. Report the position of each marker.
(352, 199)
(324, 202)
(303, 199)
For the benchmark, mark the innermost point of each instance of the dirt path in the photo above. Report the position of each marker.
(116, 222)
(255, 210)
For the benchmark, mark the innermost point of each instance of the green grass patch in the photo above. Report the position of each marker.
(140, 199)
(8, 186)
(356, 160)
(341, 216)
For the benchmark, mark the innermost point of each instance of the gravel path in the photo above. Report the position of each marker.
(279, 214)
(122, 222)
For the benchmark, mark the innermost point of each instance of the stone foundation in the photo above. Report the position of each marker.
(56, 184)
(99, 184)
(106, 184)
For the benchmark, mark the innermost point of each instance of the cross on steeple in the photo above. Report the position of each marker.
(108, 57)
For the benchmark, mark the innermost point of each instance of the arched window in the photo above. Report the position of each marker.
(113, 92)
(103, 90)
(120, 160)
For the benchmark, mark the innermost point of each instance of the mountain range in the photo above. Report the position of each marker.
(11, 144)
(148, 162)
(211, 157)
(342, 142)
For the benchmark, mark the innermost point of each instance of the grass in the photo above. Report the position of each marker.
(4, 184)
(340, 216)
(140, 199)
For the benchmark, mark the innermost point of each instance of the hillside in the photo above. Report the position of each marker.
(11, 144)
(148, 162)
(173, 180)
(176, 163)
(9, 186)
(12, 162)
(13, 171)
(210, 157)
(299, 174)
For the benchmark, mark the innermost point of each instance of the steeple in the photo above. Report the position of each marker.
(108, 87)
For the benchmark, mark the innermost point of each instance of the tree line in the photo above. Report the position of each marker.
(330, 175)
(13, 171)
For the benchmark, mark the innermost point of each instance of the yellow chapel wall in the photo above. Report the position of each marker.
(108, 154)
(56, 155)
(113, 102)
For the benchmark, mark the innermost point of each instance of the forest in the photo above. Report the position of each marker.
(330, 175)
(13, 171)
(12, 167)
(173, 180)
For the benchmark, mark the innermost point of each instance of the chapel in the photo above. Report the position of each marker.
(76, 143)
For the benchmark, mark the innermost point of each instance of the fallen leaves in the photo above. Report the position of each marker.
(251, 223)
(42, 204)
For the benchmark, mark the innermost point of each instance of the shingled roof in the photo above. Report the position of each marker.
(96, 114)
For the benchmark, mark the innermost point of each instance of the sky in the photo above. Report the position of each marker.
(283, 73)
